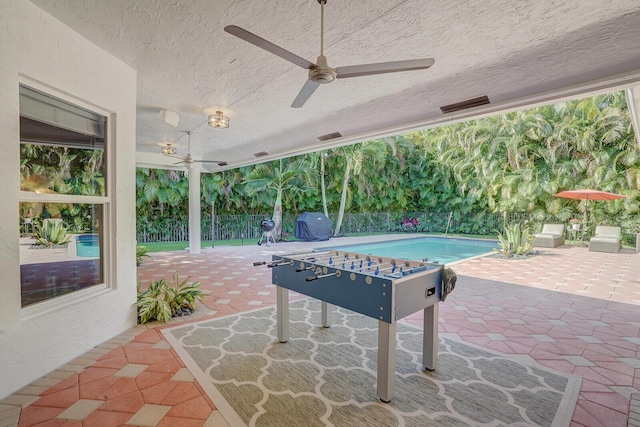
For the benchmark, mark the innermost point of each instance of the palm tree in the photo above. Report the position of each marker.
(157, 188)
(323, 187)
(317, 161)
(281, 176)
(226, 189)
(374, 153)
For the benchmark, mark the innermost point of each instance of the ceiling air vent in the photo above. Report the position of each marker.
(329, 136)
(261, 154)
(463, 105)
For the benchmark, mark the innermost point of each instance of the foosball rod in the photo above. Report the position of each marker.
(280, 263)
(336, 259)
(257, 263)
(347, 263)
(325, 260)
(310, 254)
(374, 268)
(325, 256)
(362, 267)
(322, 276)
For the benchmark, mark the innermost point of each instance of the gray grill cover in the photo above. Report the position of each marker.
(313, 227)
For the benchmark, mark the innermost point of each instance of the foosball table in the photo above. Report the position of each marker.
(381, 288)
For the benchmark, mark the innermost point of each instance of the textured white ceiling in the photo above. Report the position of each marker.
(516, 52)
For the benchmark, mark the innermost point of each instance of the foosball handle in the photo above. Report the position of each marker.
(255, 264)
(322, 276)
(279, 263)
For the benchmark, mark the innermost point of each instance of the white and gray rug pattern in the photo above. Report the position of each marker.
(326, 376)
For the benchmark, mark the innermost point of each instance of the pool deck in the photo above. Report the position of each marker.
(567, 308)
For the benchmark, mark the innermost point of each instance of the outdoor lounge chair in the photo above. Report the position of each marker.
(606, 239)
(552, 235)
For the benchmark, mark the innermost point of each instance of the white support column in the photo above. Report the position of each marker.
(633, 104)
(194, 209)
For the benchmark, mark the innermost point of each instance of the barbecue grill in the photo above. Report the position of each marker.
(267, 226)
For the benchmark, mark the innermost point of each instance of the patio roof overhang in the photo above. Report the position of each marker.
(517, 54)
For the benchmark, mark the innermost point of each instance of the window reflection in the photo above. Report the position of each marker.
(59, 255)
(63, 196)
(61, 146)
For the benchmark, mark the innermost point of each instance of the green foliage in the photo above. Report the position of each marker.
(185, 295)
(281, 179)
(141, 253)
(162, 299)
(508, 163)
(59, 169)
(51, 234)
(155, 302)
(515, 240)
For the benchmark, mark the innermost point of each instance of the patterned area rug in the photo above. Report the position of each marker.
(327, 376)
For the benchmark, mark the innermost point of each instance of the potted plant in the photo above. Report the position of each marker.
(575, 223)
(51, 234)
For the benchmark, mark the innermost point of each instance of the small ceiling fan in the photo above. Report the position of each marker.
(169, 151)
(320, 72)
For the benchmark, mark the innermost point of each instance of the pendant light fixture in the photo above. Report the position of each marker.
(218, 120)
(169, 150)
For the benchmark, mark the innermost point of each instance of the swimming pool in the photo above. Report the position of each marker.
(88, 246)
(442, 249)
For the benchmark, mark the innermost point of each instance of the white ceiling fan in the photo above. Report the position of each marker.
(320, 72)
(188, 159)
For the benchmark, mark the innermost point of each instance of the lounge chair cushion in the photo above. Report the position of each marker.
(552, 235)
(606, 239)
(607, 231)
(555, 229)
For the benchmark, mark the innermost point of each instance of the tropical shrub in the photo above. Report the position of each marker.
(506, 164)
(162, 299)
(410, 224)
(154, 302)
(51, 234)
(185, 296)
(141, 253)
(516, 239)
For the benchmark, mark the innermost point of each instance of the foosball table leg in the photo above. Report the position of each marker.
(430, 337)
(282, 307)
(327, 314)
(386, 360)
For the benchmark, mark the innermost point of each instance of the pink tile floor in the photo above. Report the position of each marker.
(570, 309)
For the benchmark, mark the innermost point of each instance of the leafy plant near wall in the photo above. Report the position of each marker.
(162, 299)
(141, 253)
(51, 234)
(516, 239)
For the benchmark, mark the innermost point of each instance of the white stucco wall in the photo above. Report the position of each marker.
(36, 47)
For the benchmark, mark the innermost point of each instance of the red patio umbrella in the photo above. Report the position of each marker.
(588, 194)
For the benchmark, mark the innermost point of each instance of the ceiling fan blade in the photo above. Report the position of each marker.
(209, 161)
(383, 67)
(307, 90)
(268, 46)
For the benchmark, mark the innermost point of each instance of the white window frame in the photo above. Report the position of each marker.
(108, 223)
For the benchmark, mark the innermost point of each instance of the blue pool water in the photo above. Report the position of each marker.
(442, 249)
(88, 245)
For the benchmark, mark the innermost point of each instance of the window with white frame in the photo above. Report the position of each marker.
(63, 196)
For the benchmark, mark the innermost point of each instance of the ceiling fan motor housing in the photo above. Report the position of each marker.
(322, 73)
